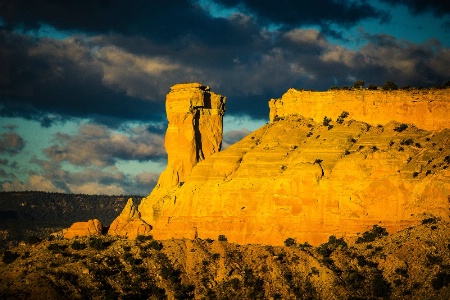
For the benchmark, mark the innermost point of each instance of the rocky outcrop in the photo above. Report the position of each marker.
(82, 229)
(194, 133)
(129, 223)
(297, 178)
(427, 109)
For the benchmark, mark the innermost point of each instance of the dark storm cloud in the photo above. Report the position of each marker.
(437, 7)
(292, 13)
(143, 47)
(46, 76)
(163, 21)
(11, 143)
(96, 145)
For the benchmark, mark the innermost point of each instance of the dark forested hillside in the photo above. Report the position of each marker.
(25, 214)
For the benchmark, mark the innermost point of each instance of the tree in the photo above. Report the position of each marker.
(359, 84)
(389, 86)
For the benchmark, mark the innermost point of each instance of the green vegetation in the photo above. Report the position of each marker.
(97, 243)
(359, 84)
(389, 86)
(222, 238)
(340, 119)
(9, 256)
(401, 127)
(369, 236)
(77, 245)
(326, 121)
(289, 242)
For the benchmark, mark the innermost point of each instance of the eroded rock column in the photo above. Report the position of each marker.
(194, 132)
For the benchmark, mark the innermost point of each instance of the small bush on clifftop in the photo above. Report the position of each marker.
(289, 242)
(222, 238)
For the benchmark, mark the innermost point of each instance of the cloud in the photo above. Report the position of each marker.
(97, 145)
(11, 143)
(34, 183)
(41, 72)
(290, 13)
(233, 136)
(54, 178)
(437, 7)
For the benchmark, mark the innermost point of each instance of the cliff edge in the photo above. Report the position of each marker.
(296, 177)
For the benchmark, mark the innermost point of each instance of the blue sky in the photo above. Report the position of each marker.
(83, 83)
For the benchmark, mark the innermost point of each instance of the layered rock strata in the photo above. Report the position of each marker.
(81, 229)
(428, 109)
(297, 178)
(194, 133)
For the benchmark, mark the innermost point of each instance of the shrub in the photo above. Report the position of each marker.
(9, 257)
(407, 142)
(374, 148)
(289, 242)
(98, 244)
(389, 86)
(380, 287)
(215, 256)
(341, 118)
(447, 159)
(143, 238)
(333, 243)
(359, 84)
(401, 127)
(441, 280)
(326, 121)
(415, 174)
(372, 87)
(330, 127)
(156, 245)
(334, 88)
(209, 240)
(222, 238)
(402, 272)
(370, 236)
(318, 161)
(431, 220)
(76, 245)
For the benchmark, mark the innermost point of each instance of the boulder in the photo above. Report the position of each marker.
(81, 229)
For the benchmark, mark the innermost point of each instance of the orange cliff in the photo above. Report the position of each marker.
(427, 109)
(297, 178)
(194, 133)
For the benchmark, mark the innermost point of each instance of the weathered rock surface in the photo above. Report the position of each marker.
(194, 133)
(428, 109)
(81, 229)
(297, 178)
(129, 223)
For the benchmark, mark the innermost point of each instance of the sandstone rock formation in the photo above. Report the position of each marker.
(428, 109)
(297, 178)
(129, 223)
(194, 133)
(81, 229)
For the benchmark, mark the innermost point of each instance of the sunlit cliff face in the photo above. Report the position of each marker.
(299, 177)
